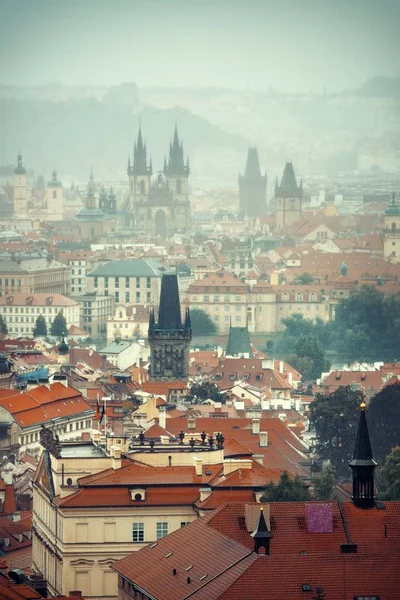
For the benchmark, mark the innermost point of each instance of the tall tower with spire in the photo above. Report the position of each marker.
(253, 187)
(160, 205)
(20, 189)
(169, 337)
(363, 466)
(289, 198)
(391, 235)
(54, 199)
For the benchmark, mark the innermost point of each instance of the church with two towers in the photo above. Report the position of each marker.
(159, 203)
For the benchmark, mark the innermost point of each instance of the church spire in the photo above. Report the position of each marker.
(139, 156)
(19, 169)
(289, 187)
(363, 465)
(169, 313)
(176, 163)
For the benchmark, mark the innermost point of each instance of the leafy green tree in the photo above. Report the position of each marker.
(40, 328)
(335, 419)
(311, 356)
(391, 474)
(324, 483)
(296, 326)
(205, 391)
(287, 490)
(59, 326)
(303, 279)
(3, 326)
(367, 325)
(383, 414)
(202, 324)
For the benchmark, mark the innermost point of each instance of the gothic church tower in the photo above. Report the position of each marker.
(169, 337)
(288, 197)
(253, 187)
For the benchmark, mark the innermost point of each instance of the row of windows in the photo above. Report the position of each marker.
(31, 309)
(138, 532)
(127, 281)
(12, 282)
(21, 561)
(34, 437)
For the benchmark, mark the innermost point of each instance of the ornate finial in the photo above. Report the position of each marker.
(362, 405)
(261, 508)
(393, 198)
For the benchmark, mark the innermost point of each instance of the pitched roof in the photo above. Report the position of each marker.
(37, 299)
(129, 268)
(238, 342)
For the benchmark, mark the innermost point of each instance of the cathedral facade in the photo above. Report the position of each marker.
(159, 203)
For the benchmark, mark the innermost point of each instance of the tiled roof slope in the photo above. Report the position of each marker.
(42, 404)
(213, 558)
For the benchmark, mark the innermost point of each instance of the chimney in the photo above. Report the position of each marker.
(116, 461)
(162, 416)
(191, 423)
(290, 378)
(198, 465)
(281, 366)
(255, 426)
(259, 458)
(205, 493)
(263, 439)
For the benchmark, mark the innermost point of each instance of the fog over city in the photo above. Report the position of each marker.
(83, 73)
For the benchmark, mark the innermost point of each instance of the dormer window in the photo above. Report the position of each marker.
(138, 495)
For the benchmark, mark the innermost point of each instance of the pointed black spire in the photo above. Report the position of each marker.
(253, 164)
(289, 185)
(239, 342)
(363, 466)
(261, 535)
(176, 163)
(139, 166)
(151, 319)
(169, 312)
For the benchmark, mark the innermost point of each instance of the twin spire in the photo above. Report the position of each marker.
(174, 166)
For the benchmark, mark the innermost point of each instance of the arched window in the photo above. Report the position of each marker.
(12, 283)
(54, 194)
(1, 282)
(393, 226)
(6, 282)
(299, 297)
(142, 188)
(178, 186)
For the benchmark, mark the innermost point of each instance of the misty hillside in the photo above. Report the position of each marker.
(74, 131)
(76, 128)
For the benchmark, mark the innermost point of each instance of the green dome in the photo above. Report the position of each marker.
(393, 209)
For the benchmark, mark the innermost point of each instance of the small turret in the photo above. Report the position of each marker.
(176, 164)
(261, 535)
(344, 270)
(363, 465)
(139, 166)
(20, 169)
(63, 348)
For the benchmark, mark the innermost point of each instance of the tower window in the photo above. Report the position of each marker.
(178, 186)
(142, 187)
(393, 226)
(54, 194)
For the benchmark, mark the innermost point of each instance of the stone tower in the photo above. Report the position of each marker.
(54, 199)
(391, 237)
(253, 187)
(288, 197)
(169, 337)
(159, 205)
(20, 191)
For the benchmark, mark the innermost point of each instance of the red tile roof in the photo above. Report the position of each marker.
(42, 404)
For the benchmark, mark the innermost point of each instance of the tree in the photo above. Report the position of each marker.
(202, 323)
(335, 419)
(295, 326)
(59, 326)
(287, 490)
(3, 326)
(303, 279)
(205, 391)
(383, 414)
(311, 351)
(367, 325)
(324, 483)
(391, 474)
(40, 328)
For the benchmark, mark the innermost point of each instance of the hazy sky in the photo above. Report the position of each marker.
(287, 44)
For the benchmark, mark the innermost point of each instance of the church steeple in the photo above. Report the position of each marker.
(19, 169)
(139, 166)
(176, 163)
(363, 466)
(169, 337)
(253, 187)
(289, 187)
(90, 191)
